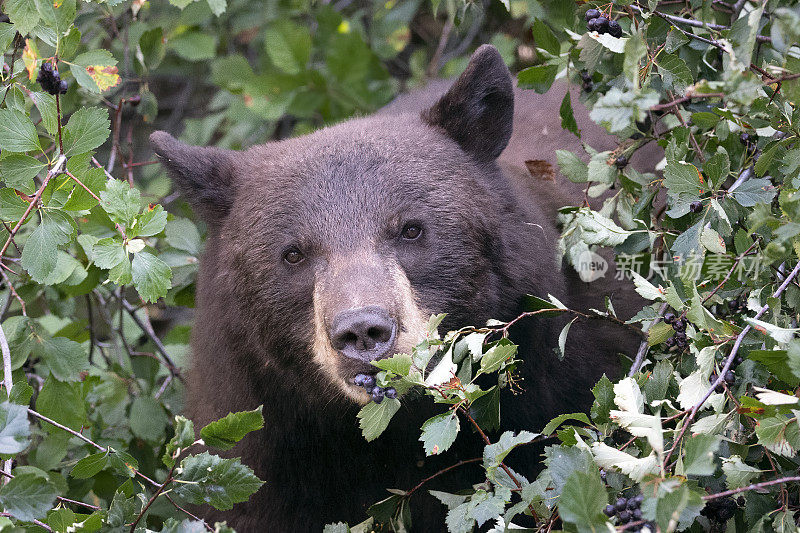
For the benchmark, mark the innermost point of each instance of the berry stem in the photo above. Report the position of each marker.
(58, 119)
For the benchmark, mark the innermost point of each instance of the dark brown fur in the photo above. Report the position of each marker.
(489, 240)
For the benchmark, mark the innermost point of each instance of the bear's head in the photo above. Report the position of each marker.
(338, 246)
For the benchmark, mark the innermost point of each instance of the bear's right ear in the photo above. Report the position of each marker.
(203, 174)
(478, 110)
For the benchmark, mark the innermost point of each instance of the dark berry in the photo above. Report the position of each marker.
(740, 501)
(621, 504)
(359, 380)
(591, 14)
(738, 360)
(621, 162)
(614, 29)
(588, 87)
(730, 377)
(744, 138)
(669, 343)
(733, 305)
(602, 24)
(632, 504)
(46, 67)
(669, 318)
(636, 514)
(390, 393)
(585, 76)
(593, 25)
(4, 18)
(62, 87)
(377, 394)
(624, 516)
(696, 207)
(639, 498)
(369, 382)
(681, 342)
(679, 326)
(610, 510)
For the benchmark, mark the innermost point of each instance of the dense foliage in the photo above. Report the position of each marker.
(701, 435)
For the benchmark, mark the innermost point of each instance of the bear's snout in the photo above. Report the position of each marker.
(364, 334)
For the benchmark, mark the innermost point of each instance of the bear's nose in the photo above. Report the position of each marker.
(364, 334)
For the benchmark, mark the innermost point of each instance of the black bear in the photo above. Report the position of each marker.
(332, 249)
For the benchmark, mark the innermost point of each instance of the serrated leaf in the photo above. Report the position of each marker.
(28, 496)
(182, 234)
(65, 358)
(226, 432)
(737, 473)
(567, 116)
(87, 129)
(62, 402)
(40, 254)
(699, 453)
(634, 467)
(494, 454)
(18, 170)
(89, 465)
(121, 202)
(779, 434)
(14, 428)
(539, 78)
(439, 433)
(582, 501)
(674, 72)
(151, 222)
(46, 104)
(754, 191)
(17, 132)
(560, 419)
(194, 46)
(374, 418)
(215, 481)
(781, 335)
(495, 356)
(573, 168)
(151, 276)
(148, 419)
(288, 45)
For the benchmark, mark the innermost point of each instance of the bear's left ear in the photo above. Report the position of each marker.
(203, 174)
(478, 110)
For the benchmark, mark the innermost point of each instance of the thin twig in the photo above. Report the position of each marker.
(8, 384)
(686, 98)
(190, 515)
(754, 486)
(440, 472)
(151, 334)
(642, 351)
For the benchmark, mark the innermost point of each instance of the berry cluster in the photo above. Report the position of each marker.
(626, 509)
(733, 307)
(378, 393)
(588, 84)
(729, 377)
(679, 325)
(50, 79)
(720, 510)
(595, 21)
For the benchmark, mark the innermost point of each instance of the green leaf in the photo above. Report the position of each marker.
(80, 199)
(754, 191)
(674, 72)
(183, 438)
(28, 496)
(151, 276)
(226, 432)
(779, 434)
(494, 454)
(65, 358)
(148, 419)
(182, 234)
(89, 465)
(14, 428)
(582, 500)
(218, 7)
(683, 178)
(288, 45)
(151, 222)
(18, 170)
(560, 419)
(568, 117)
(87, 129)
(194, 46)
(439, 433)
(635, 50)
(562, 340)
(374, 418)
(698, 458)
(563, 461)
(23, 14)
(539, 78)
(544, 37)
(17, 132)
(62, 402)
(737, 473)
(617, 110)
(718, 167)
(121, 202)
(573, 168)
(215, 481)
(40, 254)
(603, 393)
(497, 355)
(109, 252)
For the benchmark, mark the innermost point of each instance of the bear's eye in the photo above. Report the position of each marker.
(411, 231)
(293, 256)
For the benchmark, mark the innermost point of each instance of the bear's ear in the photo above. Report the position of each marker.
(203, 174)
(478, 110)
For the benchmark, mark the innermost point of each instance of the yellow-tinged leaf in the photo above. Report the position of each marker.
(104, 76)
(57, 3)
(30, 56)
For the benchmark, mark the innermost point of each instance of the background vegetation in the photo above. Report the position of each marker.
(97, 275)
